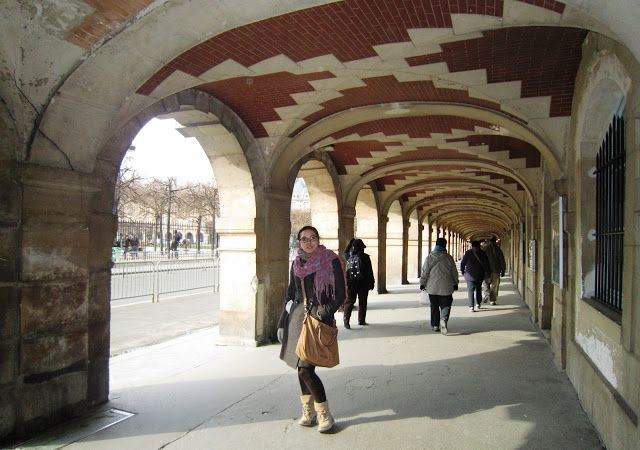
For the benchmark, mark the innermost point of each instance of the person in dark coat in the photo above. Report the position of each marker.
(359, 284)
(474, 267)
(439, 277)
(319, 272)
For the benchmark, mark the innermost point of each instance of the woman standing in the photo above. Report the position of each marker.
(319, 272)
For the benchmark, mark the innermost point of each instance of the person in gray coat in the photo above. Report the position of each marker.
(439, 277)
(319, 272)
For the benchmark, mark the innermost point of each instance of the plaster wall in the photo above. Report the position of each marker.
(602, 355)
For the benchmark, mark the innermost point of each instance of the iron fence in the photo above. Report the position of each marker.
(151, 240)
(152, 278)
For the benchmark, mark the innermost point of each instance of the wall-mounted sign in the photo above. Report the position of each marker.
(557, 242)
(533, 255)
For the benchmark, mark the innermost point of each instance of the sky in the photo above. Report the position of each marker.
(162, 152)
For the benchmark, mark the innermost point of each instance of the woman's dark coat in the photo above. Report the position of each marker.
(475, 265)
(292, 321)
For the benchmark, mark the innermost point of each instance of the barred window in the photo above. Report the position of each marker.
(610, 170)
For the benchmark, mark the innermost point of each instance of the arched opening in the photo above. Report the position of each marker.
(165, 195)
(208, 121)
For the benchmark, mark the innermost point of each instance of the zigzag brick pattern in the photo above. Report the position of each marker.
(347, 29)
(254, 98)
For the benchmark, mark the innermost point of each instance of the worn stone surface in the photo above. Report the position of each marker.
(7, 410)
(9, 238)
(8, 360)
(53, 307)
(49, 398)
(98, 344)
(99, 305)
(9, 312)
(43, 355)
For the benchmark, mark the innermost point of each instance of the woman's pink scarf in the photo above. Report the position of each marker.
(319, 262)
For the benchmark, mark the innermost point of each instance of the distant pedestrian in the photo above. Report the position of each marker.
(175, 244)
(360, 280)
(127, 245)
(497, 266)
(439, 277)
(135, 246)
(316, 276)
(474, 268)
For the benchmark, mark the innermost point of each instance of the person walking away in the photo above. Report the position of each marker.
(474, 267)
(360, 281)
(497, 266)
(319, 272)
(439, 277)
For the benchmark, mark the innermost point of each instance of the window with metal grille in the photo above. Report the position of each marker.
(610, 168)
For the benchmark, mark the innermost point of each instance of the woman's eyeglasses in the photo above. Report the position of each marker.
(306, 240)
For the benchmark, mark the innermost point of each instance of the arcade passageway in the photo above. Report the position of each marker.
(407, 119)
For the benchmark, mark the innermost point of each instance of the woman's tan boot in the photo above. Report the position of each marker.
(325, 419)
(308, 414)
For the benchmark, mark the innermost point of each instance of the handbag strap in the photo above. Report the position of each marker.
(304, 296)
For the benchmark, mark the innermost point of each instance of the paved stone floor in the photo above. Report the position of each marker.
(490, 384)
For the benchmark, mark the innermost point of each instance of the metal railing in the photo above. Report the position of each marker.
(153, 278)
(118, 254)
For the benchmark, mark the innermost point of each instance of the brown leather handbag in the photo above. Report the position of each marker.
(318, 342)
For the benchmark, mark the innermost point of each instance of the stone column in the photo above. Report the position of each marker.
(272, 265)
(405, 249)
(382, 254)
(430, 236)
(346, 229)
(420, 230)
(64, 298)
(10, 224)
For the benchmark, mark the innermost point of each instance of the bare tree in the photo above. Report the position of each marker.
(126, 193)
(154, 197)
(204, 202)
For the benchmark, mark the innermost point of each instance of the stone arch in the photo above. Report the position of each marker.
(238, 167)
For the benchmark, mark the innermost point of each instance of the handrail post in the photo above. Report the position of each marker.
(156, 283)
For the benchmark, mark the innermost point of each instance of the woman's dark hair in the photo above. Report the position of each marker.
(308, 227)
(442, 242)
(475, 243)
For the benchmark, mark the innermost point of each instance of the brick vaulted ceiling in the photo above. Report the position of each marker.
(286, 74)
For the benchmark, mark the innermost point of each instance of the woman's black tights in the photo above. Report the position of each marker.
(310, 384)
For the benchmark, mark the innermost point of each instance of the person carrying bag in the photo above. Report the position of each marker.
(317, 288)
(318, 342)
